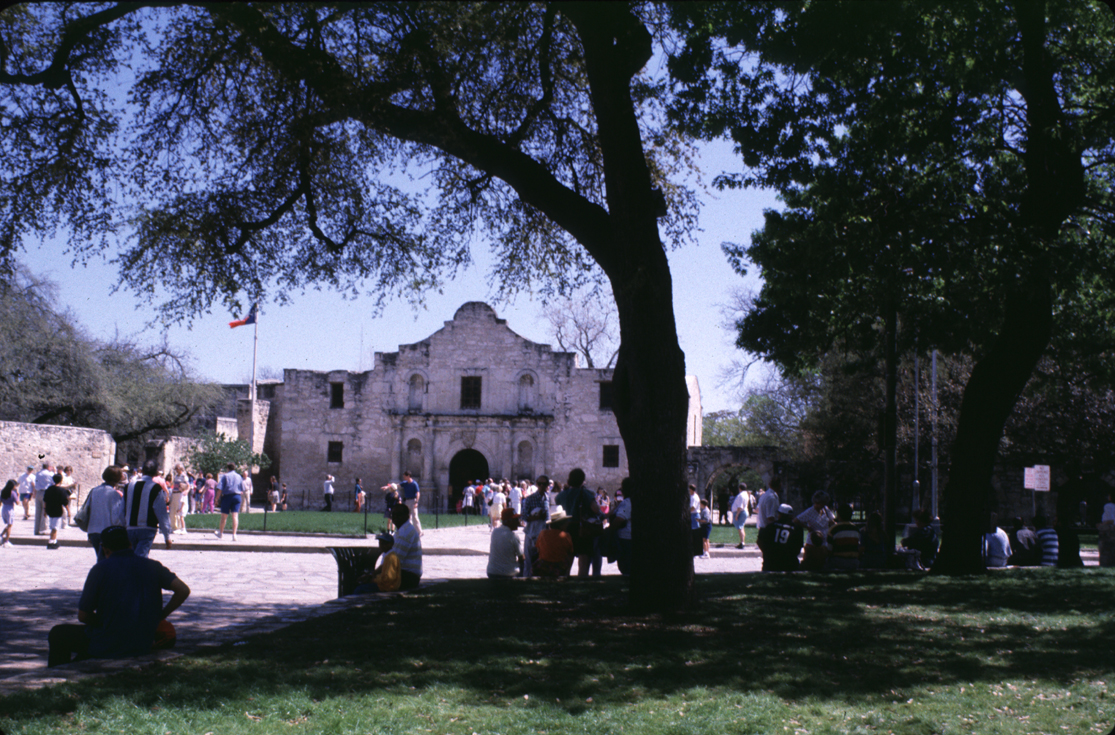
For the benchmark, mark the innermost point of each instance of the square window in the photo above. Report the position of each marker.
(335, 452)
(606, 395)
(611, 455)
(337, 395)
(470, 391)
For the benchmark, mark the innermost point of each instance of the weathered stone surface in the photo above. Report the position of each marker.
(88, 451)
(537, 412)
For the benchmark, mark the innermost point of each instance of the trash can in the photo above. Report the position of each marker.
(352, 561)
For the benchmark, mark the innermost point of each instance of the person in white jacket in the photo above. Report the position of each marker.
(106, 507)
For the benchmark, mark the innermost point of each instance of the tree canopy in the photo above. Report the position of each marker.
(942, 163)
(213, 452)
(51, 372)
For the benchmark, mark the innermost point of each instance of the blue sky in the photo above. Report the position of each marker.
(322, 330)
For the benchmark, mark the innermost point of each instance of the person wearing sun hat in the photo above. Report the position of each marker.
(555, 547)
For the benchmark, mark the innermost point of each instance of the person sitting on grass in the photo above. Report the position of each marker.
(1025, 551)
(555, 547)
(923, 539)
(121, 606)
(1047, 540)
(845, 541)
(996, 544)
(780, 541)
(505, 553)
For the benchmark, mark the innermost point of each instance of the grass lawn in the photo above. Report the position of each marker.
(306, 521)
(1026, 651)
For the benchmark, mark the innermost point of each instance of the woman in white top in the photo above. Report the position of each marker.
(495, 510)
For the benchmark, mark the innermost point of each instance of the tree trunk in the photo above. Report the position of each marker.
(1054, 190)
(651, 403)
(650, 396)
(989, 398)
(890, 426)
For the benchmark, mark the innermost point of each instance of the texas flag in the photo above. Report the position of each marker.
(250, 319)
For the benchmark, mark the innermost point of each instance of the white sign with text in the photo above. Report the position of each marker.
(1036, 478)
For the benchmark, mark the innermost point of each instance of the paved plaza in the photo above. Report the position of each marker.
(257, 583)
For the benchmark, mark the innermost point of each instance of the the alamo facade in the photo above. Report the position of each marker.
(472, 400)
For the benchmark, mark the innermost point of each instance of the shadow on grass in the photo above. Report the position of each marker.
(820, 636)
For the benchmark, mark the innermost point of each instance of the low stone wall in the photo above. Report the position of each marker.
(88, 451)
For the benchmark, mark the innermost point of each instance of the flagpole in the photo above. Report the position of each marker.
(255, 350)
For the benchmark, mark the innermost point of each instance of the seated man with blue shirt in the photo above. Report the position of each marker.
(121, 605)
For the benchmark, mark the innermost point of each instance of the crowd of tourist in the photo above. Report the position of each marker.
(817, 538)
(53, 493)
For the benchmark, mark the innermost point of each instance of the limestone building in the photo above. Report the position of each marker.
(473, 400)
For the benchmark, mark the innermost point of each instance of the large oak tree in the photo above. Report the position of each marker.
(268, 148)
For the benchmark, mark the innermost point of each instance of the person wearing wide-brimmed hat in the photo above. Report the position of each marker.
(536, 515)
(555, 547)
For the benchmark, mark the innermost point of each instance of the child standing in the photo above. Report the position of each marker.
(704, 522)
(56, 498)
(8, 497)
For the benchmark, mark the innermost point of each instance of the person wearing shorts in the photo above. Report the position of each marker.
(27, 491)
(230, 493)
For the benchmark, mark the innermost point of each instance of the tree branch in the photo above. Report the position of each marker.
(441, 128)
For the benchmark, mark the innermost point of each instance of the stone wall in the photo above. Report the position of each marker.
(694, 422)
(88, 451)
(174, 451)
(229, 426)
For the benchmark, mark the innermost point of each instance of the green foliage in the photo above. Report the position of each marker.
(271, 147)
(1024, 651)
(52, 373)
(212, 452)
(770, 417)
(901, 166)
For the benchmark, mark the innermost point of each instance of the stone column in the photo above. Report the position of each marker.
(397, 425)
(428, 478)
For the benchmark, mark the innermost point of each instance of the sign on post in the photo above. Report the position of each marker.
(1036, 478)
